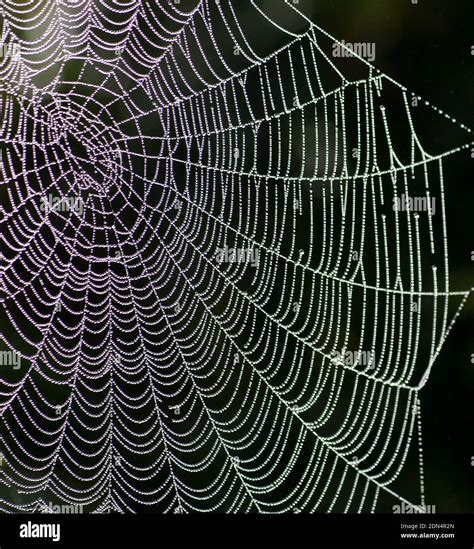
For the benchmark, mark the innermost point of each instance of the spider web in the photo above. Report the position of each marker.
(154, 376)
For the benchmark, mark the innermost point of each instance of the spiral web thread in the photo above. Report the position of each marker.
(155, 377)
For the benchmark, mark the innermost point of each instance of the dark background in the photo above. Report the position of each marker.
(427, 48)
